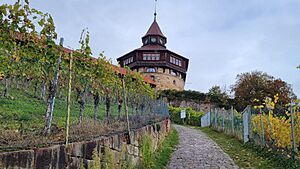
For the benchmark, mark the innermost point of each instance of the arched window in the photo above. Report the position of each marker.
(151, 69)
(173, 72)
(153, 78)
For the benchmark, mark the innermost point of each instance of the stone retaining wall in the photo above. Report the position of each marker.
(60, 156)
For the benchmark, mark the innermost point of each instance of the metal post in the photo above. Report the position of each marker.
(293, 133)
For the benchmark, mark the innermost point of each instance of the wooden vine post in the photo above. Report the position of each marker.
(125, 103)
(52, 93)
(69, 99)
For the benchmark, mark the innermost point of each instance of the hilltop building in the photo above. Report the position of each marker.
(168, 69)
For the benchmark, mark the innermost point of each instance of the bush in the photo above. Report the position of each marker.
(147, 151)
(192, 117)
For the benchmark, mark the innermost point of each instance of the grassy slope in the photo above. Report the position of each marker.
(163, 155)
(247, 155)
(21, 108)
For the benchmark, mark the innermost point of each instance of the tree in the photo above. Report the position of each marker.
(217, 96)
(252, 88)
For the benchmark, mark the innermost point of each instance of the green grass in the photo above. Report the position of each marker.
(22, 109)
(163, 155)
(248, 155)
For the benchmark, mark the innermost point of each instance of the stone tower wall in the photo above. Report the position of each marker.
(164, 80)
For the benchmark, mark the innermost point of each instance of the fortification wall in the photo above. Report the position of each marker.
(61, 157)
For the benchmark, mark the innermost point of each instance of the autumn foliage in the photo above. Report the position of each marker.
(253, 87)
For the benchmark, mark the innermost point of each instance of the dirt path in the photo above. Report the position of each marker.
(196, 150)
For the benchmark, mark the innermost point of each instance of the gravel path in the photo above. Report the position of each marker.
(196, 150)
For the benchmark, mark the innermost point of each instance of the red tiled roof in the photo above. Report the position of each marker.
(123, 71)
(152, 47)
(117, 69)
(154, 29)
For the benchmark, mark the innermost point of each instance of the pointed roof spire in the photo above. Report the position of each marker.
(154, 30)
(155, 11)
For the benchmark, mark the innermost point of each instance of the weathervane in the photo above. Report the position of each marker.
(155, 10)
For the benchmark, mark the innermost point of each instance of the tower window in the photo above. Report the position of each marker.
(151, 69)
(128, 60)
(153, 78)
(173, 72)
(157, 57)
(151, 56)
(175, 61)
(174, 82)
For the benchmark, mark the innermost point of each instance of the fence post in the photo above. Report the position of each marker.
(246, 126)
(223, 120)
(249, 122)
(215, 121)
(262, 128)
(293, 133)
(232, 120)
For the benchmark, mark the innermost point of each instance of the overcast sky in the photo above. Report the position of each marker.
(221, 38)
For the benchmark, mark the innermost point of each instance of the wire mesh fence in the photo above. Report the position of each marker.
(229, 121)
(280, 133)
(22, 118)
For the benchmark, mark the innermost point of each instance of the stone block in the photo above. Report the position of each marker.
(55, 156)
(116, 142)
(89, 148)
(76, 149)
(73, 163)
(43, 158)
(17, 159)
(62, 159)
(124, 137)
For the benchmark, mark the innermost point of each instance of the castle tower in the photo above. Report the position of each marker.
(168, 69)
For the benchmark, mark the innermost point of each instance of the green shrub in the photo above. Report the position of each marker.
(96, 157)
(147, 150)
(192, 117)
(125, 161)
(175, 114)
(109, 160)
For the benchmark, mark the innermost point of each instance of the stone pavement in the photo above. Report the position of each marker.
(196, 150)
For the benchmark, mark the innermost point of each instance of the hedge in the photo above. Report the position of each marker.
(192, 117)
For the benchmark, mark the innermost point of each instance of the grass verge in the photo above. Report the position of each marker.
(248, 155)
(162, 156)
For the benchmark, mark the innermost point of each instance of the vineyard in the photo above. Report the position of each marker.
(51, 94)
(261, 126)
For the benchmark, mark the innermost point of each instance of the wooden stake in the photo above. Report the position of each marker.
(69, 100)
